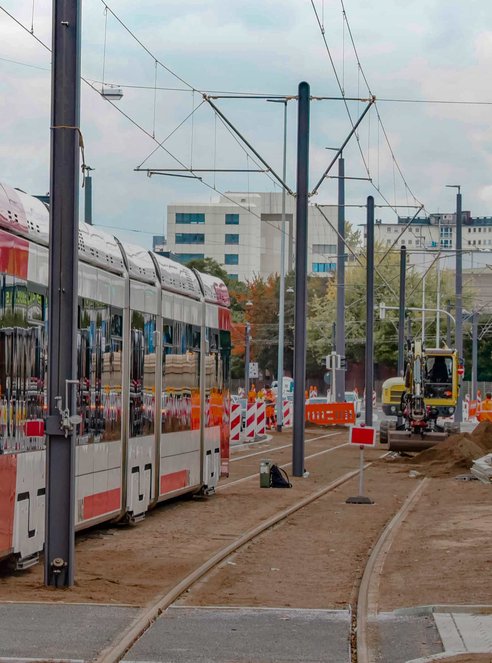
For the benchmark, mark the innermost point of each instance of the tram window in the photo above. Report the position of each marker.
(22, 362)
(99, 371)
(195, 338)
(213, 339)
(167, 334)
(142, 374)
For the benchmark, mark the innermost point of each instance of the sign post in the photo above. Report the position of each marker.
(364, 436)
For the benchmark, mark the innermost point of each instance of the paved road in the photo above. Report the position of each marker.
(75, 633)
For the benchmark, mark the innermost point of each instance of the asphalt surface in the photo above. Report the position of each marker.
(76, 633)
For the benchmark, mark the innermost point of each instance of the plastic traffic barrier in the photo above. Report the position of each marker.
(330, 414)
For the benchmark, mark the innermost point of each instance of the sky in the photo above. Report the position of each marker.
(422, 51)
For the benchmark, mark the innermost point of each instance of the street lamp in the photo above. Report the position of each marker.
(247, 340)
(281, 312)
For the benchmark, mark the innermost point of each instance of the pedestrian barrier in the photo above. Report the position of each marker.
(330, 414)
(260, 418)
(287, 414)
(250, 428)
(235, 422)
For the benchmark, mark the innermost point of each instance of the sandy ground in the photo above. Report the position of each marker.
(314, 559)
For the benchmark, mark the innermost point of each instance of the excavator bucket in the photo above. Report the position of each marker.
(402, 440)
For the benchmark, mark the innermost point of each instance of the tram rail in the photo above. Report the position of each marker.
(132, 634)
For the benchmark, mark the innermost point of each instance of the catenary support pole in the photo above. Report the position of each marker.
(247, 339)
(340, 333)
(301, 279)
(474, 372)
(401, 318)
(401, 312)
(281, 312)
(369, 371)
(62, 291)
(458, 415)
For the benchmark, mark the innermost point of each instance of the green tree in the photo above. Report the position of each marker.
(209, 266)
(323, 310)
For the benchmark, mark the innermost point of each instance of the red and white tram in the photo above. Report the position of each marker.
(153, 378)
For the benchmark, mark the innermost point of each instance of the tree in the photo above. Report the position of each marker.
(386, 286)
(209, 266)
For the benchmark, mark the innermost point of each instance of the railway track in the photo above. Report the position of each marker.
(210, 568)
(367, 592)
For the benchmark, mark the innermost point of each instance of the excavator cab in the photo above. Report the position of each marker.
(441, 380)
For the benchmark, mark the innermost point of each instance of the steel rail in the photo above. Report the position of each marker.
(367, 601)
(130, 635)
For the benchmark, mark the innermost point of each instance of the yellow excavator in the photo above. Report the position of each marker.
(428, 392)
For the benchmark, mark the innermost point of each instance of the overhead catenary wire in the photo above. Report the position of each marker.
(376, 108)
(140, 127)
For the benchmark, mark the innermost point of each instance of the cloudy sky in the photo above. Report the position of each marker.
(420, 51)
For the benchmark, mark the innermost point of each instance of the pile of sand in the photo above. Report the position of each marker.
(456, 454)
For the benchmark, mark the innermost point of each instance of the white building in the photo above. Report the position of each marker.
(242, 232)
(424, 237)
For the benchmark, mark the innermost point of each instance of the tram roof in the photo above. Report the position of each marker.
(175, 276)
(214, 289)
(27, 216)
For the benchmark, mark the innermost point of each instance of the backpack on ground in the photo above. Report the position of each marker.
(279, 478)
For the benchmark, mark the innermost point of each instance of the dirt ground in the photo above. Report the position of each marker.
(314, 559)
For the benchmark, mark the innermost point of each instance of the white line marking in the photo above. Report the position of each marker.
(285, 446)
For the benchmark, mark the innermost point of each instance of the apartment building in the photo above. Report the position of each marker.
(242, 232)
(424, 236)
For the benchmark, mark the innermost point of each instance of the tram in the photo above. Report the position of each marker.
(153, 366)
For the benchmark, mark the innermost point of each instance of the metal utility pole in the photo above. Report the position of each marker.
(88, 195)
(340, 332)
(423, 309)
(281, 308)
(458, 415)
(448, 325)
(301, 278)
(247, 339)
(401, 316)
(370, 310)
(62, 294)
(474, 374)
(438, 297)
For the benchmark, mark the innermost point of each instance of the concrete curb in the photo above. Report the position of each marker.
(422, 610)
(443, 656)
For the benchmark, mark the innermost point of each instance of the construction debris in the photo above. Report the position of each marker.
(482, 468)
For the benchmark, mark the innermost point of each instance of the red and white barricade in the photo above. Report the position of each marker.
(260, 418)
(235, 422)
(250, 429)
(287, 413)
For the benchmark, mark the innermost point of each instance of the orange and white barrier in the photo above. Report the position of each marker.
(250, 429)
(330, 414)
(287, 413)
(260, 418)
(235, 422)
